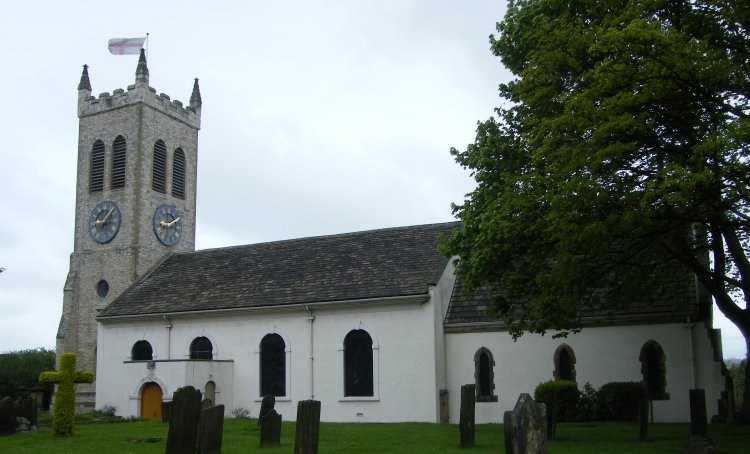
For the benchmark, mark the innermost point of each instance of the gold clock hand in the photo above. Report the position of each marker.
(173, 221)
(108, 215)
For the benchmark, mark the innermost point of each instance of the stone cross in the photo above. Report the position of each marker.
(66, 378)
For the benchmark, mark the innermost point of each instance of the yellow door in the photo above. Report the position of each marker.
(151, 401)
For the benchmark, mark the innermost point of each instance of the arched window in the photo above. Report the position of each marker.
(201, 348)
(96, 175)
(358, 364)
(118, 164)
(654, 370)
(484, 375)
(565, 363)
(272, 366)
(178, 174)
(142, 351)
(159, 175)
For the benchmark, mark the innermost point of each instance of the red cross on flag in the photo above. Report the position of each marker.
(126, 46)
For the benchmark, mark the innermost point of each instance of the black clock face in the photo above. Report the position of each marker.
(168, 225)
(104, 222)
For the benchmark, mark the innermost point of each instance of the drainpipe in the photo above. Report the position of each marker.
(169, 337)
(691, 346)
(311, 319)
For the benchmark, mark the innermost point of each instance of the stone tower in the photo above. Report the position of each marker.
(135, 201)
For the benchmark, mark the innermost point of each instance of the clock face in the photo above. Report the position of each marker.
(168, 225)
(104, 222)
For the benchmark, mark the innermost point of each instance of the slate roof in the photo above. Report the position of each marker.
(363, 265)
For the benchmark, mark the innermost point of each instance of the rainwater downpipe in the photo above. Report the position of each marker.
(311, 319)
(169, 337)
(689, 326)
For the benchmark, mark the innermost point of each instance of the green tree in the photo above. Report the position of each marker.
(618, 156)
(21, 369)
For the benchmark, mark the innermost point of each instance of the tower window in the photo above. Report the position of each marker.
(358, 364)
(96, 178)
(272, 366)
(159, 183)
(201, 348)
(178, 174)
(118, 164)
(102, 288)
(142, 351)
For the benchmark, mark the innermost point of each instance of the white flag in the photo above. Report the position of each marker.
(125, 46)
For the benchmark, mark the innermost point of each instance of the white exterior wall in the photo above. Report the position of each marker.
(404, 369)
(603, 355)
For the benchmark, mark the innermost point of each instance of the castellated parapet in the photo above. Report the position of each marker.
(138, 93)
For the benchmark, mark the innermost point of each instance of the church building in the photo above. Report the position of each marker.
(373, 324)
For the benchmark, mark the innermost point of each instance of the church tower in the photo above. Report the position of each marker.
(135, 201)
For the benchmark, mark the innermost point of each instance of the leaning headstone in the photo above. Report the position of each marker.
(166, 411)
(699, 441)
(210, 430)
(270, 430)
(308, 427)
(8, 413)
(27, 409)
(526, 427)
(466, 420)
(183, 425)
(266, 405)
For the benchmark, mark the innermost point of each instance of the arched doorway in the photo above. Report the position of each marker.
(151, 401)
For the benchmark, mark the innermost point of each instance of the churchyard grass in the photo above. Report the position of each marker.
(243, 435)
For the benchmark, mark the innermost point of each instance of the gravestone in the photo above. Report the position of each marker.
(526, 427)
(307, 433)
(206, 403)
(27, 409)
(466, 420)
(8, 413)
(183, 425)
(211, 430)
(266, 405)
(643, 414)
(699, 443)
(270, 430)
(166, 411)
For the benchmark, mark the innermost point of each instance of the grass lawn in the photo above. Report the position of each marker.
(243, 435)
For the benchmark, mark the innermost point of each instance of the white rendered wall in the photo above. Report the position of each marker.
(602, 355)
(404, 358)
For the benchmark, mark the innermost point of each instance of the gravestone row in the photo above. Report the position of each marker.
(197, 426)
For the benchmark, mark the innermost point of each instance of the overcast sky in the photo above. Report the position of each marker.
(319, 117)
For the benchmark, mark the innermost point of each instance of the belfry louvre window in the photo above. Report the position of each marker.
(118, 163)
(358, 364)
(178, 174)
(142, 351)
(159, 182)
(96, 177)
(272, 366)
(201, 348)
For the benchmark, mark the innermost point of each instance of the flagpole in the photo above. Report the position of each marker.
(147, 45)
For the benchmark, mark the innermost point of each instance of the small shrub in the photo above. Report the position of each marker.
(620, 401)
(588, 404)
(559, 394)
(241, 413)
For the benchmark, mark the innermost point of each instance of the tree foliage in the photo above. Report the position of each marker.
(21, 369)
(619, 156)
